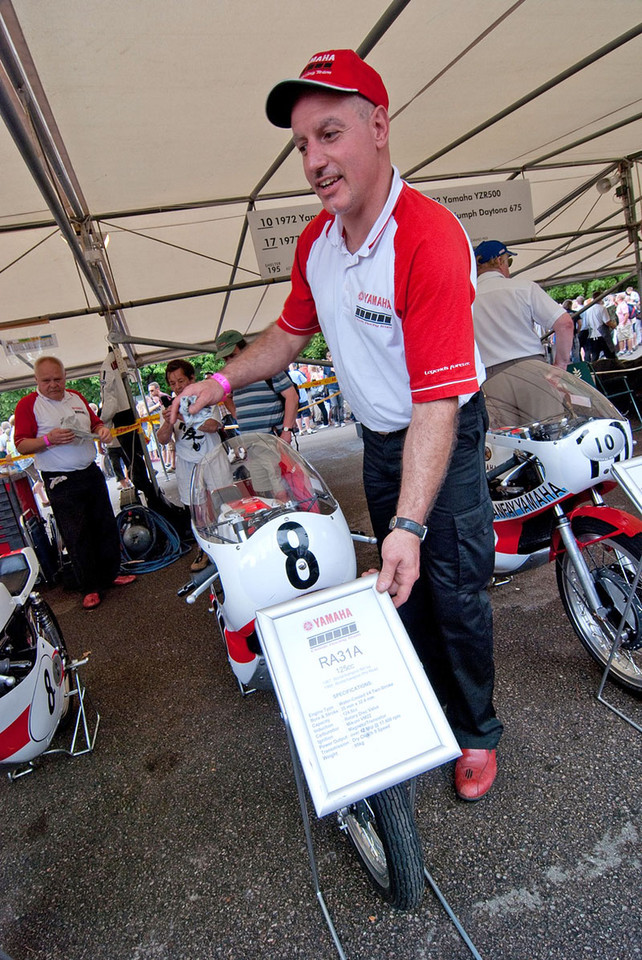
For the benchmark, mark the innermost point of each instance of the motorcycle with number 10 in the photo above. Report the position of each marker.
(552, 442)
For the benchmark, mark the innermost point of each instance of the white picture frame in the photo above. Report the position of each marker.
(360, 708)
(629, 475)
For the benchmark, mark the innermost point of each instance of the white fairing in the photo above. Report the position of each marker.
(270, 525)
(573, 432)
(265, 569)
(30, 712)
(551, 436)
(31, 709)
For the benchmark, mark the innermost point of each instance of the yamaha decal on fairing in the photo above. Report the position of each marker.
(542, 496)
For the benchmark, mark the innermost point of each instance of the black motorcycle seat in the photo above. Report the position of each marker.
(14, 572)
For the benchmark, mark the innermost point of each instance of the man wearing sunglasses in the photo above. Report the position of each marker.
(507, 311)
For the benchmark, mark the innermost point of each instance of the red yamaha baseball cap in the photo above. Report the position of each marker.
(342, 71)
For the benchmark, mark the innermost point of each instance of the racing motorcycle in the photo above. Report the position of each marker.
(552, 442)
(273, 532)
(40, 691)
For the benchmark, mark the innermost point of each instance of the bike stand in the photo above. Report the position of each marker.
(614, 648)
(82, 741)
(300, 786)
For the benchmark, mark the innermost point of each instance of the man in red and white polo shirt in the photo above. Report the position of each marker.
(388, 276)
(55, 426)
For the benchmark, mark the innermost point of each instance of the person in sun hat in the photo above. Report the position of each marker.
(507, 312)
(264, 406)
(388, 276)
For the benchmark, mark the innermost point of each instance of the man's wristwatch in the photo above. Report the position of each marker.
(402, 523)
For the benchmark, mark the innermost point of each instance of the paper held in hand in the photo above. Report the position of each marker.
(361, 710)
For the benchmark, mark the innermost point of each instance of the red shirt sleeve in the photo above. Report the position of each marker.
(433, 296)
(299, 315)
(25, 425)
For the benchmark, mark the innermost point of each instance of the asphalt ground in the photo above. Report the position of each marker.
(180, 836)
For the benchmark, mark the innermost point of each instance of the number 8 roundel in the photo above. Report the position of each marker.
(301, 565)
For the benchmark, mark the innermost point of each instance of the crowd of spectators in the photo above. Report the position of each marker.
(321, 405)
(605, 326)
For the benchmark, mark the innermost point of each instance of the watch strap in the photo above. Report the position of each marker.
(411, 526)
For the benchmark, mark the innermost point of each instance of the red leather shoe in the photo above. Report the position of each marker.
(123, 580)
(475, 773)
(91, 600)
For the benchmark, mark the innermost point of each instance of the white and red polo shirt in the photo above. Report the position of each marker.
(397, 314)
(37, 415)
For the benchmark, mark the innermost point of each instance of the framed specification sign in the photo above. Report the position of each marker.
(275, 233)
(629, 475)
(500, 210)
(361, 710)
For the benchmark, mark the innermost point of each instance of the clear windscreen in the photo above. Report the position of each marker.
(250, 480)
(542, 402)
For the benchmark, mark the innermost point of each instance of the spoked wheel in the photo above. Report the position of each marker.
(383, 831)
(612, 563)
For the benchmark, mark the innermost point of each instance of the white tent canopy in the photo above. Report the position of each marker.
(145, 121)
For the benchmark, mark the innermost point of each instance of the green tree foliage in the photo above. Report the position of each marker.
(316, 349)
(569, 291)
(203, 364)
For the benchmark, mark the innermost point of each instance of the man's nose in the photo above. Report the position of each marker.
(315, 157)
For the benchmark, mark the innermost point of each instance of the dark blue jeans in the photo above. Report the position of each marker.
(448, 614)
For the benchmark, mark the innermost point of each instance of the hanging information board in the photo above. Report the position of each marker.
(499, 210)
(275, 234)
(361, 710)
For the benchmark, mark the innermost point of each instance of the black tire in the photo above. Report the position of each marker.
(612, 562)
(383, 832)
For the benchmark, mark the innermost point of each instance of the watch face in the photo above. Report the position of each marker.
(411, 526)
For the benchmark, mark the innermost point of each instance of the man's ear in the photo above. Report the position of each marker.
(381, 125)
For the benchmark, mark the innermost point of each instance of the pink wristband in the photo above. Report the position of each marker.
(224, 382)
(47, 440)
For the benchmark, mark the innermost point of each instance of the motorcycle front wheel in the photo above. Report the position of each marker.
(384, 834)
(612, 563)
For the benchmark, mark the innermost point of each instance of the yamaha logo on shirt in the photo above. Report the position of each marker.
(373, 310)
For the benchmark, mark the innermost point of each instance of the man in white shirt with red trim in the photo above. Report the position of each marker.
(388, 276)
(55, 425)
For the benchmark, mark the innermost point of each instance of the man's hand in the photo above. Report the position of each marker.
(207, 393)
(60, 435)
(400, 565)
(103, 433)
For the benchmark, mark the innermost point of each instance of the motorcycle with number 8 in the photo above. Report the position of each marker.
(274, 531)
(35, 679)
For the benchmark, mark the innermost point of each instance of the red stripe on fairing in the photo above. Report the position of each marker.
(15, 736)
